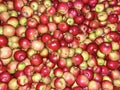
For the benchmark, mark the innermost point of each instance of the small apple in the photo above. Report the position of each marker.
(69, 78)
(60, 83)
(13, 85)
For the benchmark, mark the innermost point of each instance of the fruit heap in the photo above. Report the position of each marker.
(59, 44)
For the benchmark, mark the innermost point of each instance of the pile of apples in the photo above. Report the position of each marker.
(59, 44)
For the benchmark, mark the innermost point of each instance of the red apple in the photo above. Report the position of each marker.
(82, 81)
(69, 78)
(3, 86)
(105, 48)
(107, 85)
(77, 59)
(60, 83)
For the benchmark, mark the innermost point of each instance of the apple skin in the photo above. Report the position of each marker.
(5, 77)
(41, 86)
(22, 80)
(60, 83)
(27, 11)
(34, 5)
(29, 70)
(24, 43)
(104, 16)
(62, 8)
(58, 72)
(69, 78)
(75, 71)
(92, 48)
(44, 52)
(78, 4)
(107, 85)
(116, 82)
(98, 77)
(4, 16)
(92, 61)
(64, 52)
(13, 21)
(32, 23)
(54, 57)
(99, 7)
(18, 4)
(107, 78)
(77, 59)
(104, 70)
(63, 27)
(46, 80)
(57, 18)
(44, 19)
(5, 52)
(42, 29)
(46, 37)
(20, 55)
(82, 81)
(112, 64)
(13, 84)
(20, 31)
(45, 71)
(62, 63)
(114, 56)
(3, 86)
(51, 11)
(3, 7)
(27, 86)
(3, 41)
(9, 30)
(115, 74)
(105, 48)
(53, 45)
(31, 33)
(37, 45)
(94, 85)
(77, 88)
(11, 67)
(115, 45)
(36, 60)
(88, 74)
